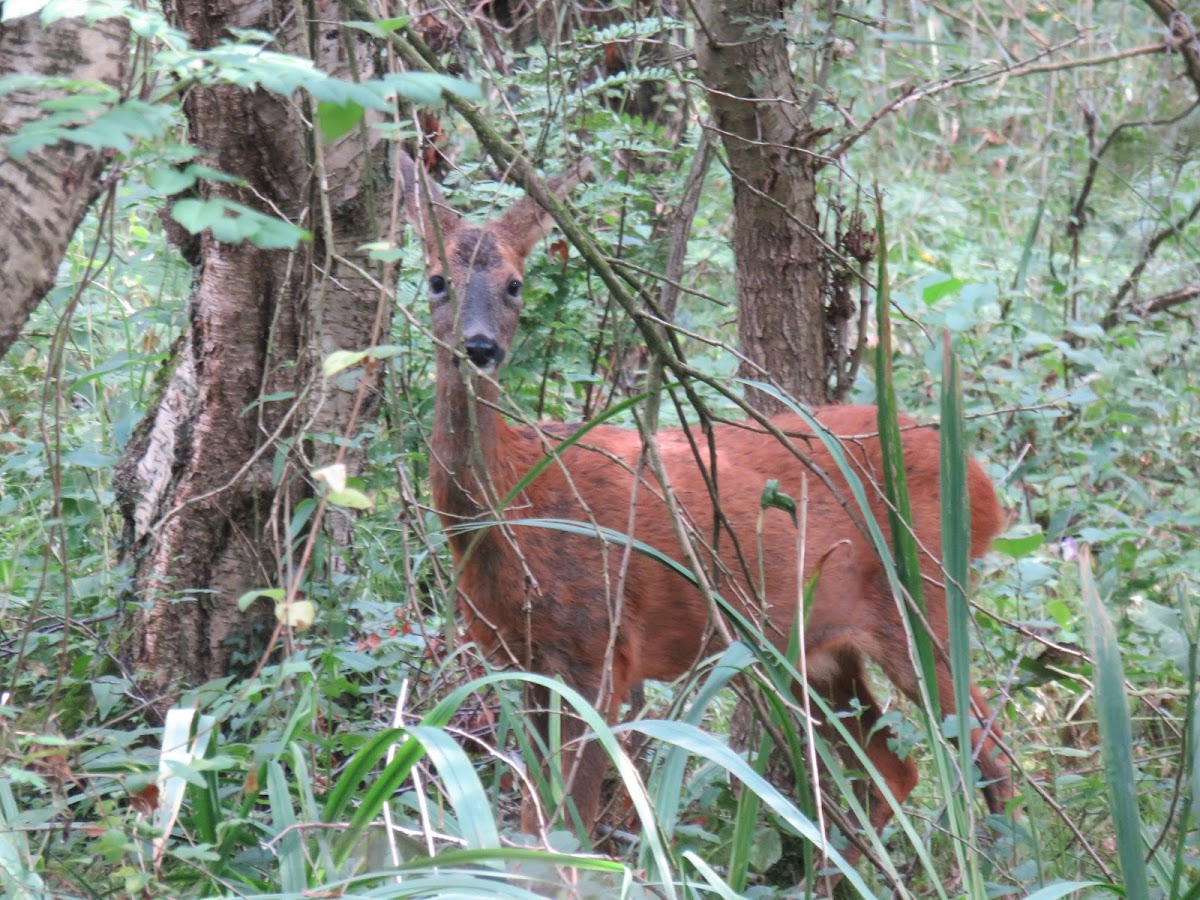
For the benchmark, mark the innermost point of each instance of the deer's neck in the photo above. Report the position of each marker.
(473, 464)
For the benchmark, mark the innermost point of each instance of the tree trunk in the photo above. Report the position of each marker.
(204, 500)
(743, 61)
(47, 191)
(742, 56)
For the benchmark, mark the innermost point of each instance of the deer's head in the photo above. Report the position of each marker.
(475, 272)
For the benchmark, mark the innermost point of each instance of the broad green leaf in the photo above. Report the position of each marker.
(336, 119)
(341, 359)
(350, 498)
(1116, 733)
(288, 847)
(426, 87)
(933, 293)
(380, 29)
(16, 9)
(1063, 888)
(89, 459)
(249, 597)
(464, 791)
(1017, 547)
(179, 749)
(233, 223)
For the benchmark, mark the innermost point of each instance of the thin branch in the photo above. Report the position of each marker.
(1183, 36)
(1078, 216)
(1160, 303)
(913, 94)
(681, 228)
(1172, 230)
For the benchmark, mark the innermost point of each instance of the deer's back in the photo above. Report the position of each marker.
(664, 618)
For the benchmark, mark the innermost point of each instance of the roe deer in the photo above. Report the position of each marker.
(602, 619)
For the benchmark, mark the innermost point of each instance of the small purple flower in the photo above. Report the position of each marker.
(1070, 549)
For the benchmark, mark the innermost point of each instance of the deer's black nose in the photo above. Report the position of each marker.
(484, 352)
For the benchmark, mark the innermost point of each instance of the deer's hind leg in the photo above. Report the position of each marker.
(839, 677)
(895, 658)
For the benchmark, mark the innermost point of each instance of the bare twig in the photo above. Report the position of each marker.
(1160, 303)
(1174, 229)
(912, 94)
(1183, 36)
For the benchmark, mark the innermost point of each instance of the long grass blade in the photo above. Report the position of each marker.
(704, 745)
(1062, 888)
(1116, 733)
(956, 554)
(463, 788)
(895, 482)
(283, 817)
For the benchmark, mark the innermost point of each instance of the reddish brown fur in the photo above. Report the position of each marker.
(545, 600)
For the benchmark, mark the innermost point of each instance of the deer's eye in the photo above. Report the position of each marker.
(437, 284)
(514, 288)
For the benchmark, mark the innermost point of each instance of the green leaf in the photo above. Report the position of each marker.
(464, 791)
(956, 551)
(766, 850)
(341, 359)
(935, 292)
(774, 498)
(383, 251)
(289, 849)
(1116, 733)
(249, 597)
(719, 887)
(1062, 888)
(170, 180)
(350, 498)
(336, 119)
(426, 87)
(89, 459)
(16, 9)
(87, 118)
(1017, 547)
(380, 29)
(232, 223)
(707, 747)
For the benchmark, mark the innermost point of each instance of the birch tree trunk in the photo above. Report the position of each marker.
(207, 483)
(45, 193)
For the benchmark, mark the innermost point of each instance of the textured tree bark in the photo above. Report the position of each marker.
(742, 54)
(199, 485)
(44, 194)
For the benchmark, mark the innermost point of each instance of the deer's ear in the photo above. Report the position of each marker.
(525, 222)
(424, 203)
